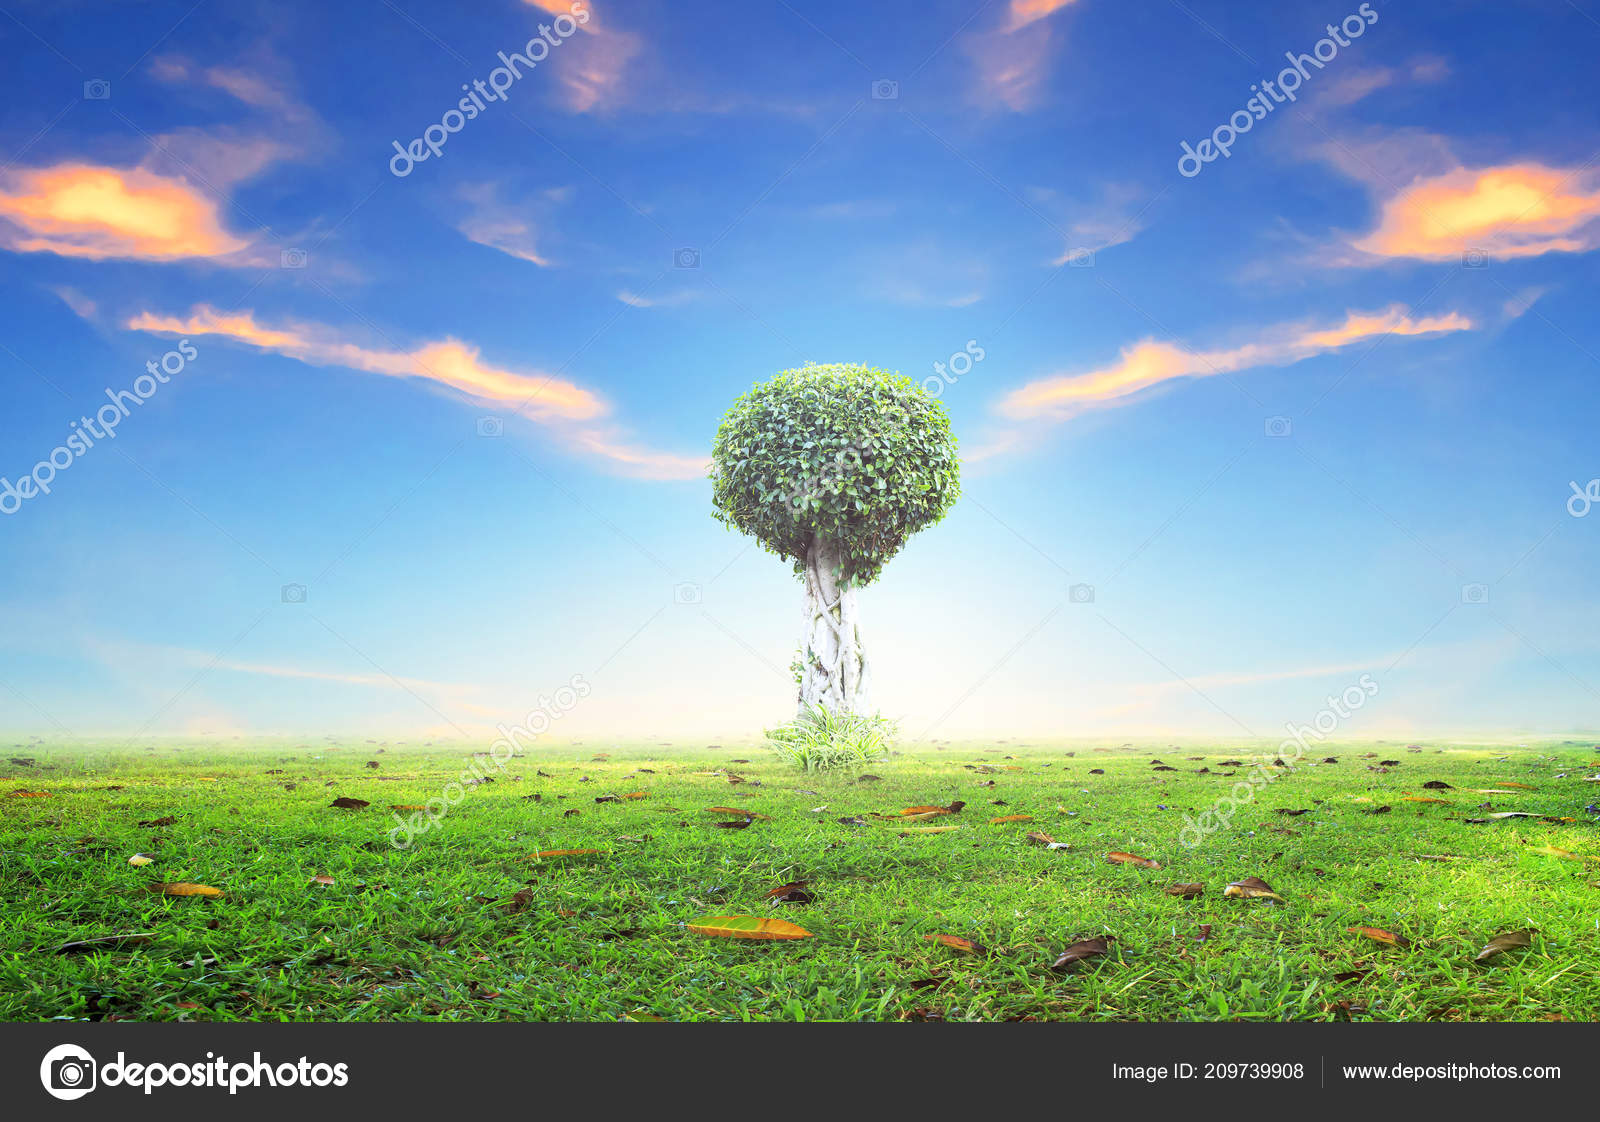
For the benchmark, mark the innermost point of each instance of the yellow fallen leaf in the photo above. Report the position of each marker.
(748, 927)
(141, 859)
(183, 888)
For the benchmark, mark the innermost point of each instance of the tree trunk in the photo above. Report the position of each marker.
(835, 671)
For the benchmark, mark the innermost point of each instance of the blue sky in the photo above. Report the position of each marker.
(1309, 413)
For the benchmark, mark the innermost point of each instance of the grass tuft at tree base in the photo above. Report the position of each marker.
(820, 740)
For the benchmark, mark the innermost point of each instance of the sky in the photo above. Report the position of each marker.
(361, 361)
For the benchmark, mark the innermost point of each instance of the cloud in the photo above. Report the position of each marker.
(1096, 226)
(1148, 364)
(1023, 12)
(671, 300)
(593, 68)
(450, 363)
(510, 229)
(1010, 66)
(447, 362)
(81, 305)
(1012, 61)
(1515, 210)
(1354, 85)
(96, 212)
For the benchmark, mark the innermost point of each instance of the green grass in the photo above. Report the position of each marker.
(426, 933)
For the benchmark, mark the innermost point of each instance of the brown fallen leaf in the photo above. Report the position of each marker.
(1508, 941)
(519, 900)
(1187, 891)
(183, 888)
(926, 811)
(346, 803)
(957, 943)
(736, 812)
(795, 892)
(414, 806)
(1082, 949)
(545, 854)
(1423, 799)
(1437, 785)
(748, 927)
(1010, 818)
(321, 878)
(1120, 858)
(1380, 935)
(733, 824)
(1251, 888)
(159, 822)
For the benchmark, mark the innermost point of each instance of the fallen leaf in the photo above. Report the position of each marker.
(1119, 858)
(158, 822)
(927, 829)
(30, 794)
(141, 859)
(737, 824)
(1187, 891)
(1251, 888)
(1553, 851)
(1437, 785)
(1509, 941)
(748, 927)
(1077, 952)
(1423, 799)
(321, 878)
(412, 806)
(183, 888)
(345, 803)
(924, 811)
(1011, 818)
(957, 943)
(792, 893)
(1382, 936)
(548, 853)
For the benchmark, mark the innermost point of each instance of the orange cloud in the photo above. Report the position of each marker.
(1150, 363)
(1024, 12)
(449, 363)
(84, 210)
(1519, 210)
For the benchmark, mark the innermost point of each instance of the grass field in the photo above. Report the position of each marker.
(463, 925)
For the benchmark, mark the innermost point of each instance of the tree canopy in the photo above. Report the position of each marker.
(849, 454)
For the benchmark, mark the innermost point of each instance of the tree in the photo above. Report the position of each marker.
(833, 467)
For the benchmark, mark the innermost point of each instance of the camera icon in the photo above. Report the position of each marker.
(1474, 594)
(97, 89)
(292, 259)
(1279, 427)
(1475, 259)
(885, 90)
(293, 593)
(686, 259)
(1081, 259)
(68, 1072)
(686, 592)
(1081, 594)
(491, 426)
